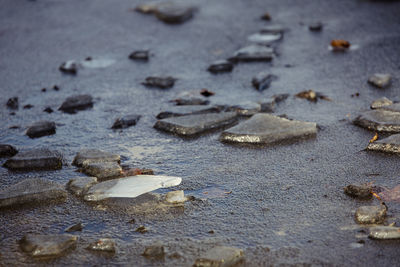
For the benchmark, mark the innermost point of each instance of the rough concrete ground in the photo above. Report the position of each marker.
(287, 203)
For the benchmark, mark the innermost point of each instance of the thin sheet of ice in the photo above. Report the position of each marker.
(130, 187)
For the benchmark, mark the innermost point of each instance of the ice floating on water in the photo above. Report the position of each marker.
(130, 187)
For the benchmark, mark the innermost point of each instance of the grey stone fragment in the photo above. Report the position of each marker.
(41, 128)
(74, 228)
(263, 80)
(190, 125)
(159, 82)
(31, 191)
(70, 67)
(253, 53)
(380, 80)
(126, 121)
(102, 170)
(247, 108)
(384, 232)
(379, 120)
(273, 29)
(220, 256)
(174, 13)
(95, 156)
(393, 107)
(381, 102)
(190, 101)
(188, 110)
(315, 27)
(47, 245)
(103, 244)
(264, 38)
(12, 103)
(390, 144)
(80, 185)
(7, 150)
(155, 251)
(220, 66)
(264, 128)
(359, 191)
(371, 214)
(142, 55)
(35, 159)
(75, 103)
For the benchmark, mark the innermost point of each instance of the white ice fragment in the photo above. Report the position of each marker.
(130, 187)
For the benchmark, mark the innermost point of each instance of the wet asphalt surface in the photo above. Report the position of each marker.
(287, 204)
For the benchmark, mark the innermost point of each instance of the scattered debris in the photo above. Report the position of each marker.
(274, 29)
(32, 191)
(70, 67)
(263, 80)
(266, 16)
(263, 128)
(190, 101)
(312, 96)
(142, 55)
(75, 228)
(380, 80)
(315, 27)
(381, 102)
(137, 171)
(253, 53)
(41, 128)
(130, 186)
(45, 246)
(264, 38)
(141, 229)
(103, 244)
(35, 159)
(206, 92)
(363, 191)
(126, 121)
(28, 106)
(340, 45)
(159, 82)
(7, 150)
(12, 103)
(371, 214)
(76, 103)
(48, 110)
(220, 66)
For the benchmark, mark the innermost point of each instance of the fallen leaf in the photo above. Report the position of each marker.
(340, 45)
(373, 139)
